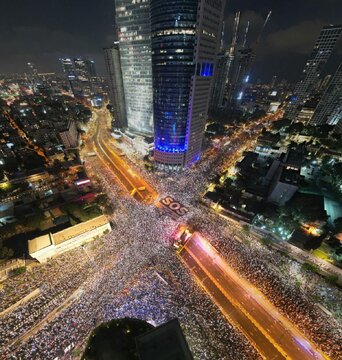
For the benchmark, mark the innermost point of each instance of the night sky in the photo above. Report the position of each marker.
(41, 31)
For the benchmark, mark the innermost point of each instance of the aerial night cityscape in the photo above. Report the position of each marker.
(171, 180)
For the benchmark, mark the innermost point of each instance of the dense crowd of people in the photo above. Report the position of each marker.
(253, 263)
(134, 272)
(131, 272)
(55, 280)
(259, 264)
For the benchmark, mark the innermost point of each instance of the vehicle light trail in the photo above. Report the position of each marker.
(273, 335)
(129, 180)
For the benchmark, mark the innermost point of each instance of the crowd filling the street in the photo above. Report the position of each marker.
(134, 272)
(171, 188)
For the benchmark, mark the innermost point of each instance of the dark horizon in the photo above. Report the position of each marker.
(42, 33)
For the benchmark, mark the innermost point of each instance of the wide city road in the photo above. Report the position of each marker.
(127, 177)
(271, 333)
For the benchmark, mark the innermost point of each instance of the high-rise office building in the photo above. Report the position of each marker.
(82, 69)
(241, 74)
(223, 69)
(219, 82)
(92, 75)
(329, 108)
(91, 68)
(134, 32)
(336, 116)
(273, 82)
(312, 69)
(86, 75)
(33, 75)
(241, 59)
(322, 85)
(70, 73)
(338, 126)
(185, 36)
(116, 91)
(81, 76)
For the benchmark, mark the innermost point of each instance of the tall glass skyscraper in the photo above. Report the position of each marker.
(312, 70)
(116, 91)
(173, 27)
(329, 109)
(70, 73)
(81, 76)
(85, 72)
(240, 75)
(219, 83)
(185, 36)
(33, 75)
(134, 32)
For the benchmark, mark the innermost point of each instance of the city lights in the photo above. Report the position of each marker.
(176, 193)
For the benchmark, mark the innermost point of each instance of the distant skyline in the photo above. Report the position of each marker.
(42, 31)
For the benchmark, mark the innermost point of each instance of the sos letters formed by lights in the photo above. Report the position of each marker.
(174, 206)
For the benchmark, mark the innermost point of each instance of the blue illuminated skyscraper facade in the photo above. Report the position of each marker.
(173, 34)
(184, 46)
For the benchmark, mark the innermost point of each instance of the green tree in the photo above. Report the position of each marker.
(310, 267)
(332, 279)
(102, 199)
(6, 253)
(18, 271)
(338, 225)
(295, 128)
(246, 230)
(265, 240)
(280, 124)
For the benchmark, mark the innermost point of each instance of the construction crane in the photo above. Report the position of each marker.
(243, 60)
(268, 17)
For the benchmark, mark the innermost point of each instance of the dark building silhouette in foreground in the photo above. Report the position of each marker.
(134, 339)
